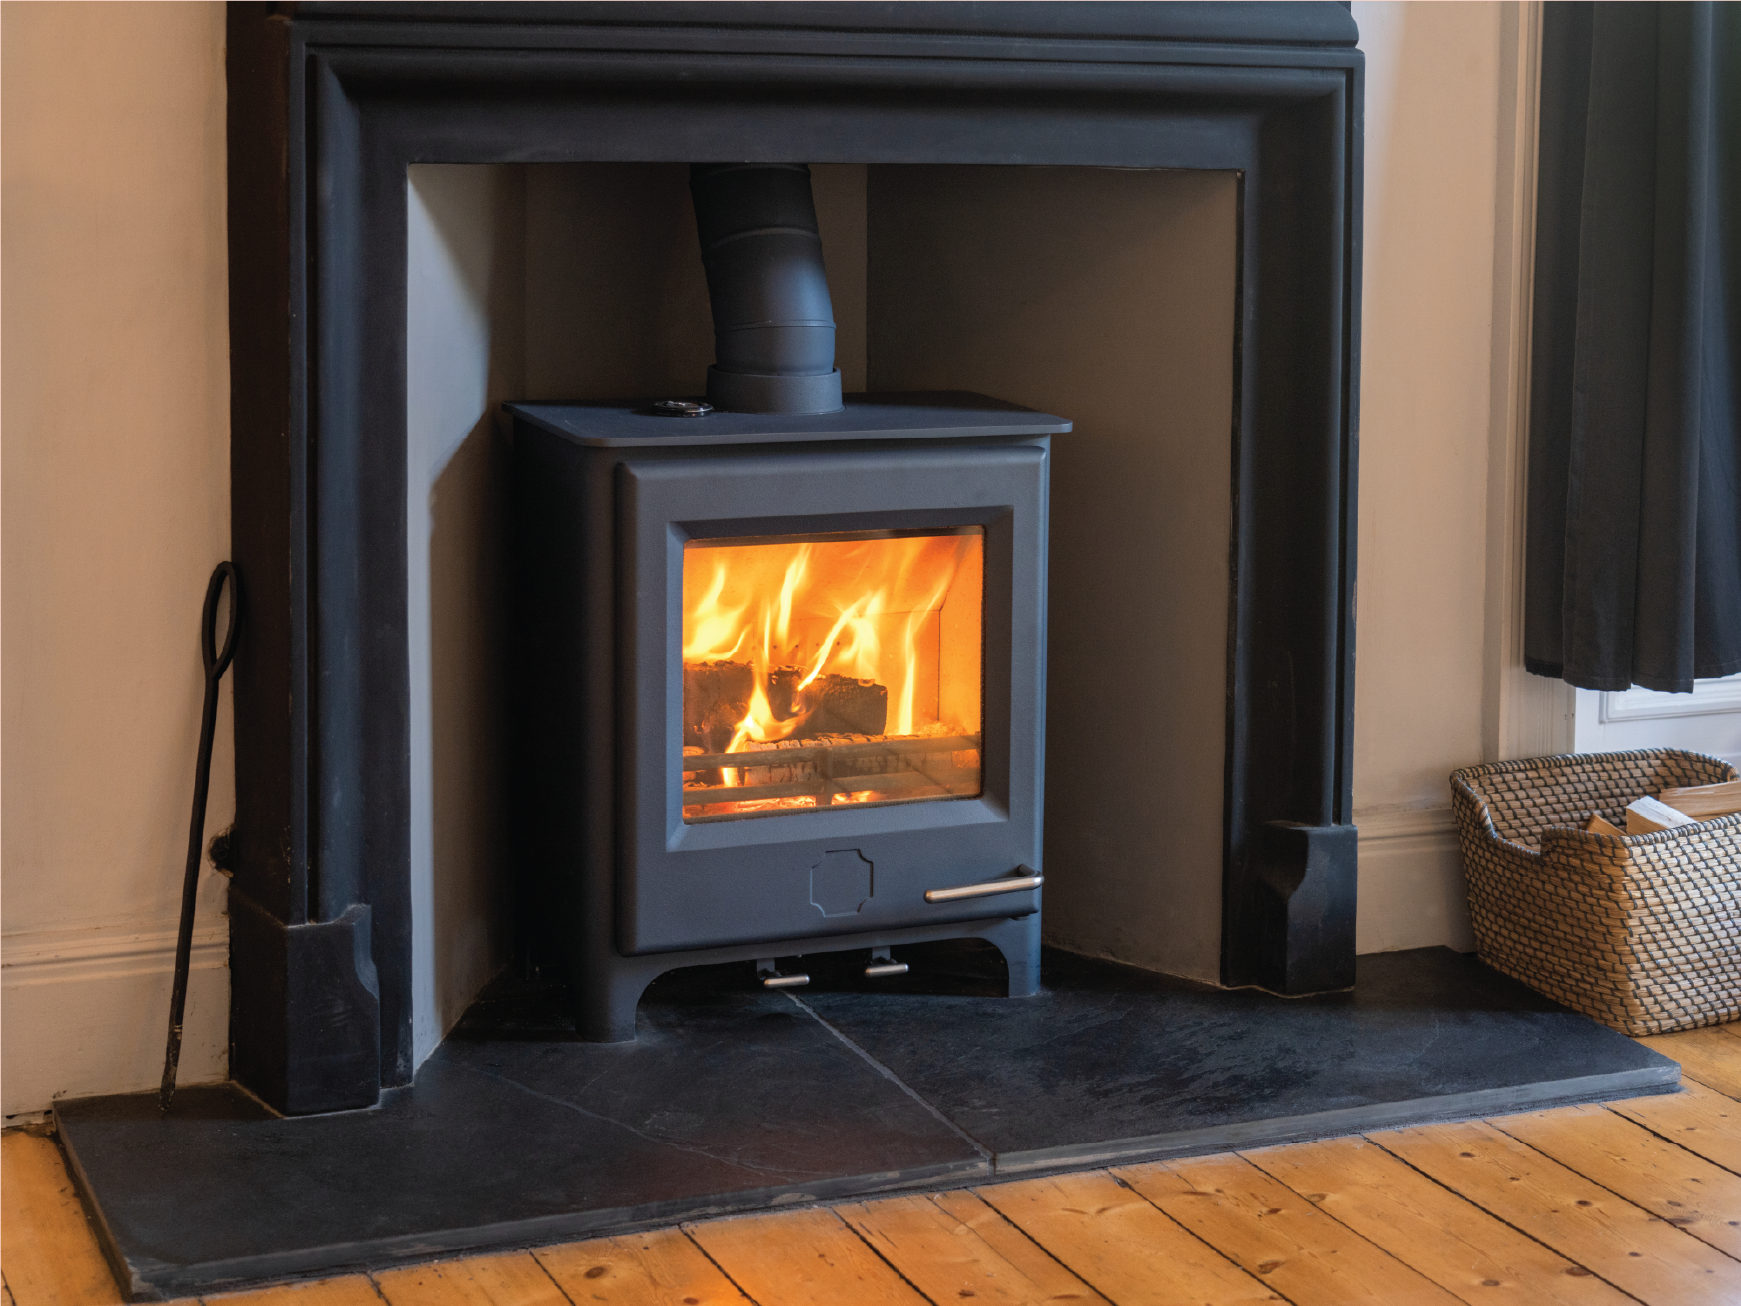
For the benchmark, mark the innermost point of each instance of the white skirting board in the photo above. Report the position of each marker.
(1412, 891)
(87, 1011)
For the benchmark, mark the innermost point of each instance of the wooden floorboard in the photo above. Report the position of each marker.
(954, 1246)
(801, 1258)
(1476, 1256)
(1120, 1243)
(663, 1266)
(1711, 1055)
(1584, 1222)
(514, 1280)
(1635, 1200)
(1671, 1183)
(346, 1290)
(1270, 1231)
(1700, 1119)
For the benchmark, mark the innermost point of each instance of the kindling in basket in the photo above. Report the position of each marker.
(1641, 932)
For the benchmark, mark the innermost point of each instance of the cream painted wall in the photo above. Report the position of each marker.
(1431, 161)
(115, 468)
(1434, 94)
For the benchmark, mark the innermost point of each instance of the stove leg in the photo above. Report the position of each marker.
(1019, 941)
(605, 1000)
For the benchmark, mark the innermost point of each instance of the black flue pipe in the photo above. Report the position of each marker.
(773, 321)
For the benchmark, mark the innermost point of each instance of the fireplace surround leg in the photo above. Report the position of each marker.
(305, 1009)
(1303, 908)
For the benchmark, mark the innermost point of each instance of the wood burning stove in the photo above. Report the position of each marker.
(783, 684)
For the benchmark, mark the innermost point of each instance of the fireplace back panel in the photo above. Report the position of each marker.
(1108, 294)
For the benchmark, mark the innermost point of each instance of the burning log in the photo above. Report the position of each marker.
(849, 706)
(830, 705)
(716, 696)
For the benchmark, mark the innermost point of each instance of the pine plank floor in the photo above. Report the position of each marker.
(1629, 1201)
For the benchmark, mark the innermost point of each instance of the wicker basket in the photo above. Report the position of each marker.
(1642, 933)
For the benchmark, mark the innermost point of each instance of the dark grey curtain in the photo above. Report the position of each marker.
(1634, 528)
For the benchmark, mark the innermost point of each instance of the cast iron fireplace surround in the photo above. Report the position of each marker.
(329, 104)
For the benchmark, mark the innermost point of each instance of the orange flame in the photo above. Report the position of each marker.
(865, 608)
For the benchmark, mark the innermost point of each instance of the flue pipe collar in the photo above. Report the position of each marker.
(773, 319)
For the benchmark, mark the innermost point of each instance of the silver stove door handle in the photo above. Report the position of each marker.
(983, 890)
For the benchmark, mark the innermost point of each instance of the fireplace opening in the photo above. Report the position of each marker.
(1107, 294)
(849, 665)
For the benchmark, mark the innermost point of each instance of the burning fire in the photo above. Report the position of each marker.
(841, 620)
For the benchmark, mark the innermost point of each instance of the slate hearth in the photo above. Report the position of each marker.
(737, 1099)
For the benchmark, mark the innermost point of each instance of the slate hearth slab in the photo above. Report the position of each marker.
(1111, 1062)
(736, 1099)
(516, 1134)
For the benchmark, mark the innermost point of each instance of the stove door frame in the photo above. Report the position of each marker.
(687, 886)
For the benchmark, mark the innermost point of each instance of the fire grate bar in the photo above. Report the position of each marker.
(883, 748)
(894, 782)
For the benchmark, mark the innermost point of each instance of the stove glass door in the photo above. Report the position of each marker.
(831, 670)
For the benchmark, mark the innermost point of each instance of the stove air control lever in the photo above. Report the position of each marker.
(881, 964)
(1026, 877)
(772, 979)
